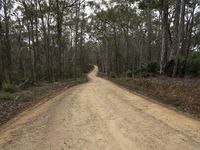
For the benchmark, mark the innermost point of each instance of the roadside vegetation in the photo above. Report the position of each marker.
(14, 100)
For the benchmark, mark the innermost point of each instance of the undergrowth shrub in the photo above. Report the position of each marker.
(112, 75)
(73, 73)
(5, 96)
(193, 64)
(151, 67)
(88, 68)
(7, 87)
(129, 74)
(147, 69)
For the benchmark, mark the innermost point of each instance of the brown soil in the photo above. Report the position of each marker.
(182, 94)
(31, 96)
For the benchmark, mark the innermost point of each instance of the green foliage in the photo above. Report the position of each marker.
(150, 67)
(193, 64)
(113, 75)
(7, 87)
(147, 69)
(88, 68)
(77, 72)
(137, 72)
(129, 74)
(73, 73)
(5, 96)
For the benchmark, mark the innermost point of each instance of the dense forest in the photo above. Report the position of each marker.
(42, 40)
(55, 39)
(141, 37)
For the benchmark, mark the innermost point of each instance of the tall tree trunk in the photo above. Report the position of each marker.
(37, 42)
(164, 36)
(82, 56)
(149, 28)
(175, 45)
(116, 51)
(34, 49)
(7, 43)
(32, 38)
(1, 56)
(190, 30)
(159, 44)
(175, 37)
(49, 48)
(59, 35)
(127, 65)
(29, 47)
(77, 13)
(180, 37)
(21, 67)
(46, 42)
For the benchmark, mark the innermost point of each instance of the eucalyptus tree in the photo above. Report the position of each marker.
(165, 37)
(7, 5)
(1, 49)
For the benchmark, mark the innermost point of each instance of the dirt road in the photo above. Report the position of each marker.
(100, 116)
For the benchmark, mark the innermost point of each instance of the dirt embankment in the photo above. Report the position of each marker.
(182, 94)
(29, 97)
